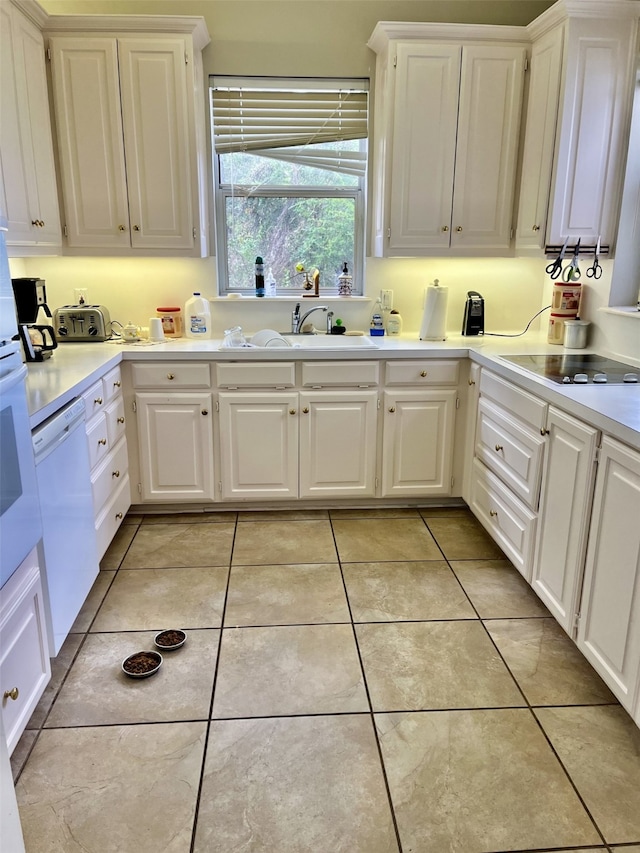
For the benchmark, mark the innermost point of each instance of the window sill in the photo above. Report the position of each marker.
(293, 298)
(622, 311)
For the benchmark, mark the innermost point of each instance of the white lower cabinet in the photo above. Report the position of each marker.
(609, 624)
(563, 524)
(289, 444)
(417, 446)
(25, 669)
(175, 445)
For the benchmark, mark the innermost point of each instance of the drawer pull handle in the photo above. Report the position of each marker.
(121, 228)
(499, 447)
(305, 411)
(423, 373)
(170, 376)
(445, 228)
(536, 228)
(136, 227)
(12, 694)
(459, 228)
(121, 419)
(102, 441)
(115, 473)
(544, 431)
(97, 401)
(117, 383)
(292, 411)
(493, 513)
(205, 411)
(471, 381)
(392, 409)
(118, 516)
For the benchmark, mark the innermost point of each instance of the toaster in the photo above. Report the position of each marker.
(82, 323)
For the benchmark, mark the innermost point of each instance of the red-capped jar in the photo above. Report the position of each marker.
(171, 316)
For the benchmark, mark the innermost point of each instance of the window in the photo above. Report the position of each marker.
(290, 161)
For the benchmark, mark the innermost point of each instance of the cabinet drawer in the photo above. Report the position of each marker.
(422, 372)
(511, 524)
(108, 475)
(115, 420)
(171, 375)
(110, 519)
(519, 403)
(98, 439)
(24, 653)
(512, 451)
(111, 384)
(94, 400)
(257, 375)
(319, 374)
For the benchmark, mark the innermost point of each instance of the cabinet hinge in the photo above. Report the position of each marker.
(395, 61)
(134, 406)
(452, 481)
(526, 63)
(65, 231)
(457, 402)
(597, 459)
(49, 53)
(194, 233)
(220, 486)
(511, 233)
(377, 483)
(139, 488)
(217, 405)
(379, 402)
(388, 233)
(186, 59)
(576, 622)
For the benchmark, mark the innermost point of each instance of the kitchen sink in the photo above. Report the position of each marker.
(330, 342)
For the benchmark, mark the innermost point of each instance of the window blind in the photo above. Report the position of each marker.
(290, 119)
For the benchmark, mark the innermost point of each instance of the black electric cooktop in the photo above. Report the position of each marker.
(578, 369)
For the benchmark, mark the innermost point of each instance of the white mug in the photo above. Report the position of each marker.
(156, 332)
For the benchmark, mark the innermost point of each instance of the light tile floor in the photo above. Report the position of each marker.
(353, 682)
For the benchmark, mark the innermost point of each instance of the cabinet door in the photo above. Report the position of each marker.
(259, 445)
(537, 159)
(609, 625)
(491, 89)
(338, 443)
(29, 196)
(175, 442)
(155, 110)
(424, 139)
(417, 450)
(563, 521)
(89, 127)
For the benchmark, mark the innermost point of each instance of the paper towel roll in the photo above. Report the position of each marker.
(434, 320)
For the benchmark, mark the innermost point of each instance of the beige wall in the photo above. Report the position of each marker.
(298, 37)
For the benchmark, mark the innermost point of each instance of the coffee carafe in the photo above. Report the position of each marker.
(38, 337)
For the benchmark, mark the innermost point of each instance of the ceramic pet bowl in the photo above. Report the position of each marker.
(169, 640)
(142, 664)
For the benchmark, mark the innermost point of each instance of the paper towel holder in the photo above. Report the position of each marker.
(433, 327)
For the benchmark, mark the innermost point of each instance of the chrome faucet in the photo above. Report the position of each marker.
(297, 322)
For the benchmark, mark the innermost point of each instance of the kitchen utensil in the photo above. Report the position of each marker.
(473, 320)
(555, 269)
(572, 272)
(575, 334)
(595, 270)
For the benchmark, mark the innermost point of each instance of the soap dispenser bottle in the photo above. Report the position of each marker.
(376, 326)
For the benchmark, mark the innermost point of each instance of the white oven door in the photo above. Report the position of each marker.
(20, 524)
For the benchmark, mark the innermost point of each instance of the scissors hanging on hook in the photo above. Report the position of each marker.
(555, 269)
(595, 271)
(572, 272)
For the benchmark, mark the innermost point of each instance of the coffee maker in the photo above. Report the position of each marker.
(38, 339)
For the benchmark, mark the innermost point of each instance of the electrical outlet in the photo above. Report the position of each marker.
(386, 298)
(80, 296)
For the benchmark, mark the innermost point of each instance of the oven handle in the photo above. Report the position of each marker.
(10, 374)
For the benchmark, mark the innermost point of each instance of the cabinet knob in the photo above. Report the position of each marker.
(499, 447)
(117, 383)
(459, 228)
(205, 411)
(471, 381)
(102, 441)
(121, 228)
(445, 228)
(12, 694)
(493, 513)
(119, 515)
(97, 401)
(305, 411)
(392, 409)
(35, 223)
(544, 431)
(170, 376)
(423, 373)
(292, 411)
(41, 223)
(121, 419)
(136, 227)
(115, 473)
(536, 228)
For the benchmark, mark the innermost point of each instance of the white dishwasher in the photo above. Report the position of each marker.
(66, 505)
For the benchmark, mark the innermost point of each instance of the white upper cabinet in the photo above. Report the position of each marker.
(577, 124)
(129, 148)
(447, 123)
(28, 192)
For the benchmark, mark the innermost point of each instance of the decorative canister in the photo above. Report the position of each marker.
(171, 317)
(575, 334)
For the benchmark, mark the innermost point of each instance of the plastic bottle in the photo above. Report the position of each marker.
(259, 276)
(197, 312)
(376, 326)
(394, 324)
(270, 284)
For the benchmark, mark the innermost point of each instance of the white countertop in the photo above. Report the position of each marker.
(74, 367)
